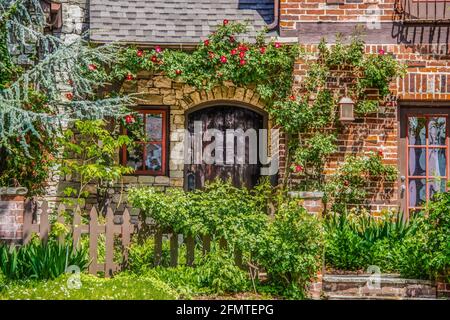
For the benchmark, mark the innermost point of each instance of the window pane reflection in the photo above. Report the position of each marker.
(153, 159)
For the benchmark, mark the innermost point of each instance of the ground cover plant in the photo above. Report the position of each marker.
(121, 287)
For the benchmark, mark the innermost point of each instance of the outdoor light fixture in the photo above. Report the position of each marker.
(346, 109)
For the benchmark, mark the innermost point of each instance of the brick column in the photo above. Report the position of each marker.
(12, 207)
(443, 287)
(311, 201)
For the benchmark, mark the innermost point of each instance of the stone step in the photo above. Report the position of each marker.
(343, 297)
(385, 286)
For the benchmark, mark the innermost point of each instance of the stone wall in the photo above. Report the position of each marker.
(156, 90)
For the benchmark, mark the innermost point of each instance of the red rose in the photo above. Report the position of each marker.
(225, 22)
(242, 62)
(178, 72)
(69, 95)
(346, 183)
(223, 59)
(92, 67)
(262, 50)
(242, 47)
(380, 153)
(242, 54)
(298, 168)
(206, 42)
(70, 82)
(158, 49)
(140, 53)
(293, 98)
(233, 52)
(232, 39)
(129, 119)
(129, 77)
(154, 58)
(277, 45)
(381, 51)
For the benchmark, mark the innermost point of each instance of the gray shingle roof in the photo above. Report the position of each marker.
(171, 21)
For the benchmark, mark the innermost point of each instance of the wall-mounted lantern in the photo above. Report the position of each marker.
(190, 179)
(346, 109)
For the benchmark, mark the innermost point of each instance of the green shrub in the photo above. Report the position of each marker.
(141, 256)
(356, 241)
(39, 260)
(436, 226)
(291, 248)
(121, 287)
(415, 248)
(216, 273)
(425, 253)
(221, 209)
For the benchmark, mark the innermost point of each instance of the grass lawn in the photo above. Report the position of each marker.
(122, 287)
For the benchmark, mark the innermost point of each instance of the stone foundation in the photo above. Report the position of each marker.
(386, 287)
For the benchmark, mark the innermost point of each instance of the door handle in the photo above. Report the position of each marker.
(402, 190)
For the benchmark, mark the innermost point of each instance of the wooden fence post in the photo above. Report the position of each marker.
(190, 247)
(109, 243)
(238, 258)
(60, 219)
(44, 226)
(126, 235)
(158, 247)
(206, 244)
(174, 249)
(223, 244)
(93, 241)
(27, 221)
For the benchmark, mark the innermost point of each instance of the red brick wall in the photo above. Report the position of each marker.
(427, 80)
(11, 217)
(294, 12)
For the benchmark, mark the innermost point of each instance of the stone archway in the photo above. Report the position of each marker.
(182, 99)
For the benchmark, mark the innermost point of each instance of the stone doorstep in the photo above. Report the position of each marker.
(385, 279)
(391, 287)
(346, 297)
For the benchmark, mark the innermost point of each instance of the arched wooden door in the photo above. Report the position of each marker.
(221, 119)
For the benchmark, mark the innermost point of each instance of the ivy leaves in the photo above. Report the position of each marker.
(348, 186)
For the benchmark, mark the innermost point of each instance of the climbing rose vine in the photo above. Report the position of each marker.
(224, 56)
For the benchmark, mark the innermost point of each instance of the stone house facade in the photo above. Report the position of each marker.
(416, 35)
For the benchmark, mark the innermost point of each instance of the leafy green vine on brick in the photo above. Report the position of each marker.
(342, 69)
(349, 184)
